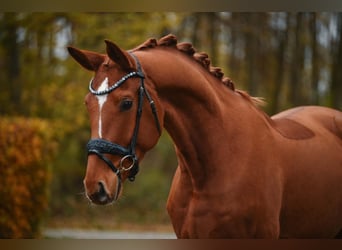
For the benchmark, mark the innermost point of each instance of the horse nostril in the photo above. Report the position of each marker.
(102, 191)
(100, 196)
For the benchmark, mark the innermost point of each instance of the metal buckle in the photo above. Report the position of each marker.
(125, 159)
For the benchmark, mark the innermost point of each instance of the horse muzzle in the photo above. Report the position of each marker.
(101, 185)
(101, 196)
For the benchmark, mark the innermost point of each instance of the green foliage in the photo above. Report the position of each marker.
(27, 147)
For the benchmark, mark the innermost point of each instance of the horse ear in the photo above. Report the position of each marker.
(87, 59)
(118, 55)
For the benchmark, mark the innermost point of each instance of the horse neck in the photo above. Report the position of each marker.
(206, 120)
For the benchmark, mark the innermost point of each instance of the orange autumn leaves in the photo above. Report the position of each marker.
(26, 147)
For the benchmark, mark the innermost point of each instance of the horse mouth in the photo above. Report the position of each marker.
(100, 196)
(100, 200)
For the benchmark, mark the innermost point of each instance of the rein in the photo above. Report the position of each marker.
(129, 161)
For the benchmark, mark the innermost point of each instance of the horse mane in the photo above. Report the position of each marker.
(200, 57)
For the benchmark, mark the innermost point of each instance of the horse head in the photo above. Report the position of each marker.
(125, 117)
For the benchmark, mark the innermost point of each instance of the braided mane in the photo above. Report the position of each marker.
(200, 57)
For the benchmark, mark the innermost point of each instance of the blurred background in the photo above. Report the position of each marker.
(290, 59)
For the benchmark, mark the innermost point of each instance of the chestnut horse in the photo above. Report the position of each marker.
(241, 173)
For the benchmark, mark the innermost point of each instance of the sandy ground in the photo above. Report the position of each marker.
(65, 233)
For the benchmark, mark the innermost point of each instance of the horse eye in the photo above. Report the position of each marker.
(126, 104)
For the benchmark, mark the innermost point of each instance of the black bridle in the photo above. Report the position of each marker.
(101, 146)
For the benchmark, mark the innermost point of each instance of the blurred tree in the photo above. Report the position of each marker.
(282, 33)
(12, 87)
(297, 65)
(314, 59)
(336, 75)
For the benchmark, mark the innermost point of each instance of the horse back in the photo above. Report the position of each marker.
(307, 122)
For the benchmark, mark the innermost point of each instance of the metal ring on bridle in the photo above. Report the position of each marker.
(123, 159)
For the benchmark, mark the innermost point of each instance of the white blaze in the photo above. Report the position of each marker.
(102, 99)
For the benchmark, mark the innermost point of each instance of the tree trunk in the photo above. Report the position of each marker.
(213, 38)
(336, 78)
(314, 60)
(251, 53)
(297, 63)
(232, 61)
(11, 52)
(280, 67)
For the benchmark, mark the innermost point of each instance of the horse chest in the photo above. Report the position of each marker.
(210, 218)
(187, 217)
(196, 216)
(218, 216)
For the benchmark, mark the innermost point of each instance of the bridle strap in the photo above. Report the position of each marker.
(106, 160)
(112, 167)
(115, 85)
(154, 109)
(101, 146)
(142, 91)
(106, 147)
